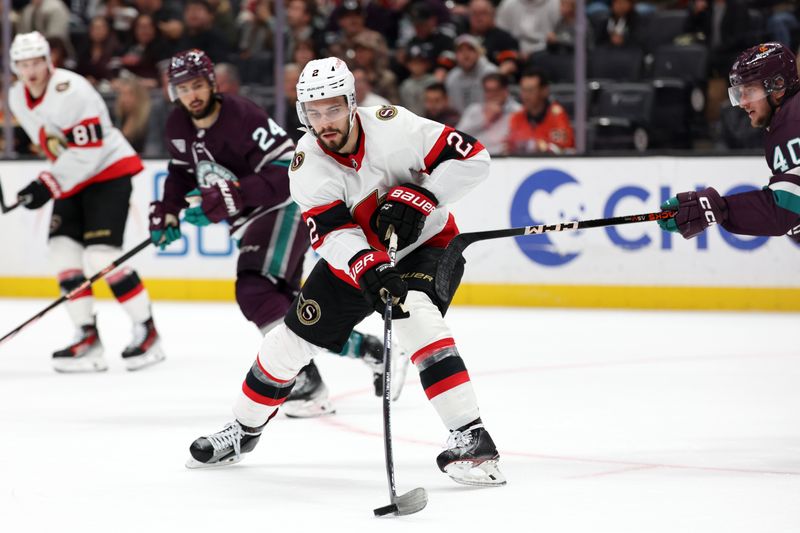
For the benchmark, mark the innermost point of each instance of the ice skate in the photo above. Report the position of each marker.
(145, 348)
(224, 447)
(373, 357)
(309, 397)
(85, 354)
(471, 457)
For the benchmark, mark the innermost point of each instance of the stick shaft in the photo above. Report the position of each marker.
(387, 380)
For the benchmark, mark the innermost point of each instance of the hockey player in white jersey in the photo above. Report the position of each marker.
(357, 173)
(90, 182)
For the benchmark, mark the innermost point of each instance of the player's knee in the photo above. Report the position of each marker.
(65, 253)
(99, 256)
(283, 353)
(424, 326)
(260, 300)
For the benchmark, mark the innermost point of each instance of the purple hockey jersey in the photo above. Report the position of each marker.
(245, 142)
(775, 209)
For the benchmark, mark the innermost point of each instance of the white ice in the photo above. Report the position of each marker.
(606, 421)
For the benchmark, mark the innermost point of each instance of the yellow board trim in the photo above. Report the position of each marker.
(590, 296)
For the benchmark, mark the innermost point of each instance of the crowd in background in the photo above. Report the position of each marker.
(498, 70)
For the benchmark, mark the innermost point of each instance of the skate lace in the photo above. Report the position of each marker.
(230, 436)
(460, 439)
(139, 335)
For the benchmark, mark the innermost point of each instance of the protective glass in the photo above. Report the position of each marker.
(746, 93)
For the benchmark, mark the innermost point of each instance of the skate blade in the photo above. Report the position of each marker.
(194, 464)
(93, 361)
(307, 409)
(151, 357)
(485, 474)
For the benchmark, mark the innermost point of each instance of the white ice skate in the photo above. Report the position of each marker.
(85, 354)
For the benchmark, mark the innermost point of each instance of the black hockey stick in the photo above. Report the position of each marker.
(414, 500)
(447, 262)
(83, 286)
(6, 208)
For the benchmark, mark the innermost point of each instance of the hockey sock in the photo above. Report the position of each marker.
(353, 346)
(446, 382)
(130, 293)
(80, 307)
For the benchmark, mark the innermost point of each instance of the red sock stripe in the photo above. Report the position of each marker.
(270, 376)
(130, 294)
(69, 274)
(446, 384)
(83, 294)
(258, 398)
(433, 347)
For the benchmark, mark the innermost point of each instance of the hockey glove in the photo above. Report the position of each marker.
(379, 281)
(217, 202)
(36, 193)
(406, 208)
(164, 227)
(696, 212)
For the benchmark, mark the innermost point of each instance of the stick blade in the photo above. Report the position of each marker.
(446, 264)
(409, 503)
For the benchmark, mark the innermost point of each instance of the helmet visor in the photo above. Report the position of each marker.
(747, 93)
(321, 113)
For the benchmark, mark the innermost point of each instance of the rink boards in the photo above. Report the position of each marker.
(636, 265)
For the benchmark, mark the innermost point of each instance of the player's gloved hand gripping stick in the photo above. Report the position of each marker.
(416, 499)
(118, 261)
(451, 255)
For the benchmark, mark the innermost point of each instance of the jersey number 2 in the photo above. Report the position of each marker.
(459, 144)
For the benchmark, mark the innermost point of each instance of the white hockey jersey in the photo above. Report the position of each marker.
(70, 122)
(339, 196)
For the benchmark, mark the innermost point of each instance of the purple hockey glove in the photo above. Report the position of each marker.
(219, 201)
(696, 212)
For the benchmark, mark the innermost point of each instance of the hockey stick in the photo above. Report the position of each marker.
(83, 286)
(447, 262)
(414, 500)
(6, 208)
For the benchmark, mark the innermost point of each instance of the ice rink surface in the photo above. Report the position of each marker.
(606, 421)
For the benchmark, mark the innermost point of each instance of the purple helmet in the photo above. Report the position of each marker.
(772, 65)
(187, 65)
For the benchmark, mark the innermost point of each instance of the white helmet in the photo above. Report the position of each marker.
(28, 46)
(325, 78)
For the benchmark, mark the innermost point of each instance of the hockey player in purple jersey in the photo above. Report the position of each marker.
(764, 83)
(229, 162)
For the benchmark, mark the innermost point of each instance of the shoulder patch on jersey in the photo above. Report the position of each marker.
(180, 145)
(297, 160)
(387, 112)
(63, 86)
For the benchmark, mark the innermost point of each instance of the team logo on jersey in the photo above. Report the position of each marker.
(297, 160)
(61, 87)
(180, 145)
(387, 112)
(308, 311)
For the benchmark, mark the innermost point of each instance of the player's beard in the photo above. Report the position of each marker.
(334, 146)
(204, 111)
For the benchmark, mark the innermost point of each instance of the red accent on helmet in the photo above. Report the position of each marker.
(190, 64)
(766, 63)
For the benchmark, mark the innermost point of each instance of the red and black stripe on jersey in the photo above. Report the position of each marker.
(265, 389)
(325, 219)
(451, 144)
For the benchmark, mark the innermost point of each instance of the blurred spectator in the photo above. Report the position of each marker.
(428, 35)
(501, 48)
(59, 54)
(542, 126)
(351, 24)
(562, 39)
(148, 48)
(255, 28)
(437, 106)
(382, 16)
(372, 55)
(225, 20)
(364, 95)
(529, 21)
(723, 25)
(291, 74)
(168, 18)
(227, 77)
(48, 17)
(301, 23)
(412, 90)
(464, 82)
(199, 31)
(100, 59)
(304, 51)
(119, 14)
(132, 111)
(488, 121)
(622, 27)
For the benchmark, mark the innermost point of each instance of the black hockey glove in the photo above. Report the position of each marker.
(406, 208)
(36, 193)
(379, 280)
